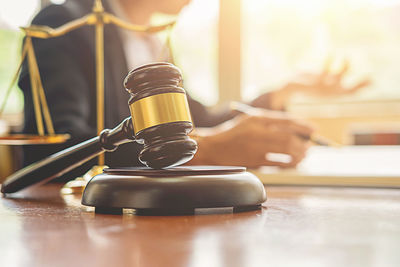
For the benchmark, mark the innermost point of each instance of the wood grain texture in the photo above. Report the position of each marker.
(298, 226)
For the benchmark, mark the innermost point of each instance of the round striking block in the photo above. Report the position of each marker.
(175, 189)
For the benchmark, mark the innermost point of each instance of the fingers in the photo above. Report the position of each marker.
(331, 82)
(277, 141)
(247, 141)
(327, 67)
(281, 160)
(301, 128)
(343, 70)
(358, 86)
(279, 164)
(290, 164)
(328, 83)
(286, 123)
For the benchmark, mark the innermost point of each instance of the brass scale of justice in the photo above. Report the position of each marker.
(163, 187)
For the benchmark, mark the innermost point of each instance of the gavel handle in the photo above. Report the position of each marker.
(67, 159)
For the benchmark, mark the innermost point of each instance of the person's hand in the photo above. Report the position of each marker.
(249, 140)
(323, 84)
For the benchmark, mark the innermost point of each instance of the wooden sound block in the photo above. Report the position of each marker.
(178, 190)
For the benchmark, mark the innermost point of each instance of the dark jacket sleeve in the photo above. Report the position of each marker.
(202, 116)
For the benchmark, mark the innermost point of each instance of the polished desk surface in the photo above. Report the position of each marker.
(297, 226)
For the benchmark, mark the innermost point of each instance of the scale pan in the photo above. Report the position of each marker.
(30, 139)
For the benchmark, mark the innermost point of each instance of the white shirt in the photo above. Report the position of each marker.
(139, 48)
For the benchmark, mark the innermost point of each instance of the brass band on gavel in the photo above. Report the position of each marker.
(156, 109)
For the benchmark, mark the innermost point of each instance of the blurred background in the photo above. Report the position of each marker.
(235, 50)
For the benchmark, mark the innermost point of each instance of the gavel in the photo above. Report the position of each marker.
(160, 120)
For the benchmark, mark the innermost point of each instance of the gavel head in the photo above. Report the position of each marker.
(160, 115)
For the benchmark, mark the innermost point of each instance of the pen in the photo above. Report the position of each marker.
(252, 111)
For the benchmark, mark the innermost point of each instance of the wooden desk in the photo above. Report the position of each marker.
(298, 226)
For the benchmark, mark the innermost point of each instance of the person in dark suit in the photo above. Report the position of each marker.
(67, 67)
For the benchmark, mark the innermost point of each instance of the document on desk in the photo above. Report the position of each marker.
(361, 166)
